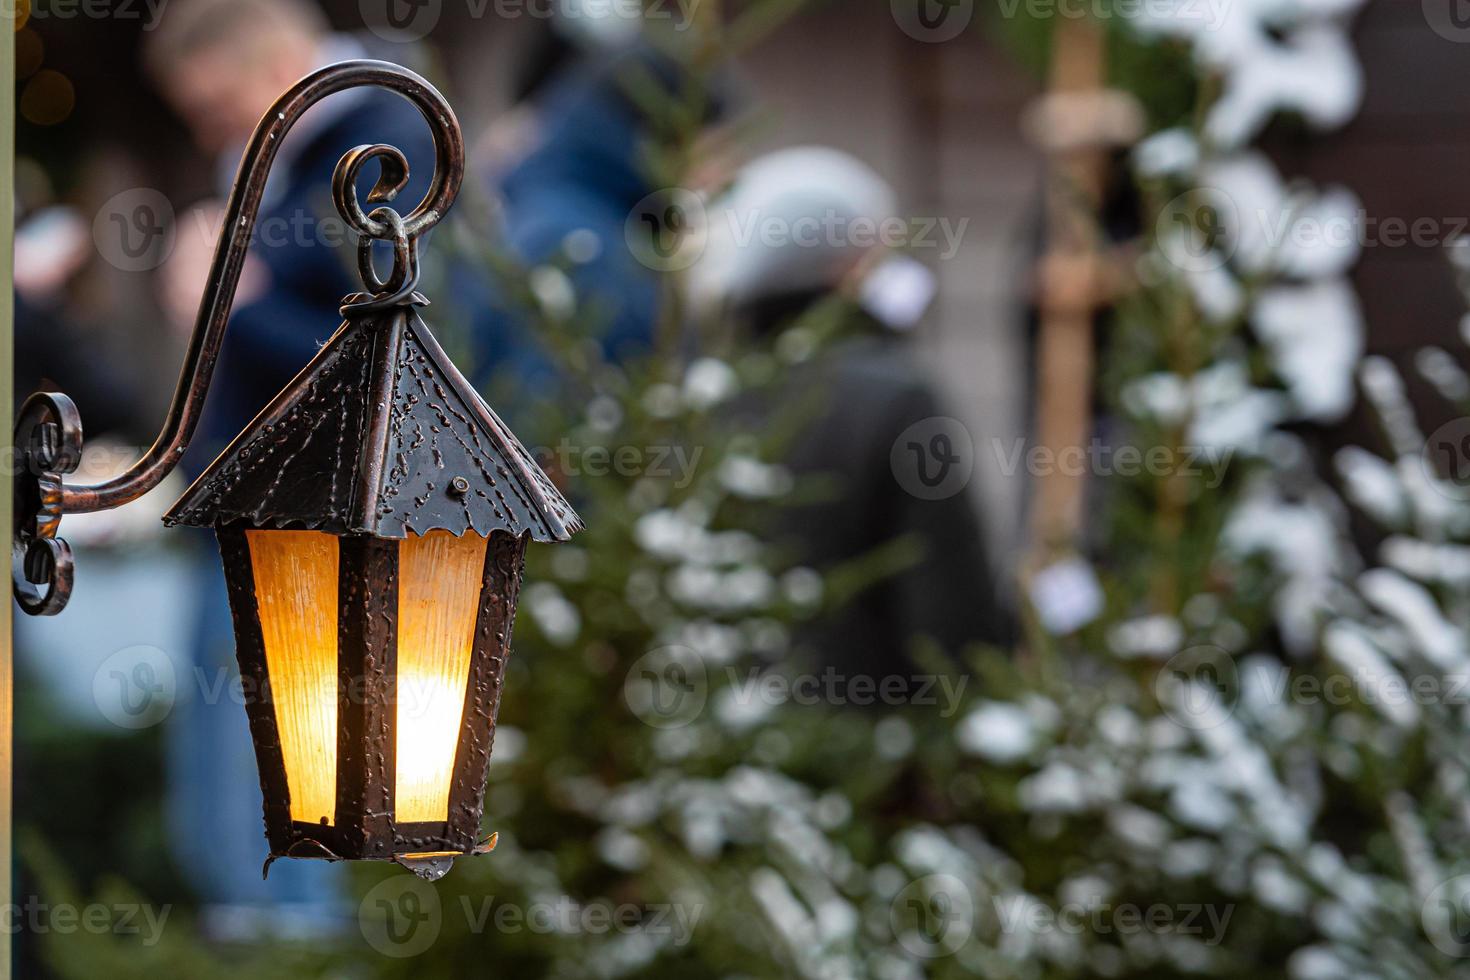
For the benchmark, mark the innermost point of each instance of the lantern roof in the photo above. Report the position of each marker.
(379, 434)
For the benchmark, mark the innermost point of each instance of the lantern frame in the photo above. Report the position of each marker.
(377, 439)
(365, 825)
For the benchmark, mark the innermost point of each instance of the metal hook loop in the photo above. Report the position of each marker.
(392, 178)
(402, 280)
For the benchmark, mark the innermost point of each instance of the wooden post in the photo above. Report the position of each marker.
(1070, 292)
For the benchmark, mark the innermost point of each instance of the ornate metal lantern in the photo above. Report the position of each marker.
(372, 520)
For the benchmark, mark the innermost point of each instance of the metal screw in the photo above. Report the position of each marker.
(459, 486)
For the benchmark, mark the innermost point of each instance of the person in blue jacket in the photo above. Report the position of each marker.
(568, 167)
(583, 172)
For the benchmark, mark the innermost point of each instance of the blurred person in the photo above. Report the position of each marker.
(52, 246)
(77, 312)
(569, 163)
(868, 389)
(221, 64)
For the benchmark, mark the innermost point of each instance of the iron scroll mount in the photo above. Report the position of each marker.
(48, 433)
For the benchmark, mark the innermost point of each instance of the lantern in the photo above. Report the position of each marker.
(372, 521)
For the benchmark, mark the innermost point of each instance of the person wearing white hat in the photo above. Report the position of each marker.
(803, 229)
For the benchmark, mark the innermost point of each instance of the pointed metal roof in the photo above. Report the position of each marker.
(379, 434)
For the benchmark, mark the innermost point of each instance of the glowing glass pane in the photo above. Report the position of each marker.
(296, 593)
(439, 579)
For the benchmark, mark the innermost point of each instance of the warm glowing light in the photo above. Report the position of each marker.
(438, 601)
(296, 592)
(439, 580)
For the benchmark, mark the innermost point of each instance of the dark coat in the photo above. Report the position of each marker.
(868, 391)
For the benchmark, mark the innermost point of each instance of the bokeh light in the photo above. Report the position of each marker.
(48, 98)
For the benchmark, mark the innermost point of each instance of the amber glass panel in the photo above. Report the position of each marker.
(296, 591)
(439, 577)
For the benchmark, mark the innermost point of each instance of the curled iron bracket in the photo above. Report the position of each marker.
(48, 446)
(42, 583)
